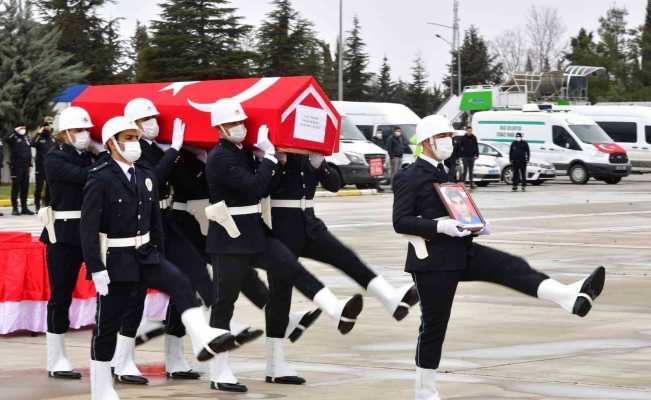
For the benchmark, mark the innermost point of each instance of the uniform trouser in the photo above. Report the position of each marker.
(468, 169)
(326, 248)
(164, 276)
(396, 163)
(19, 187)
(519, 173)
(63, 264)
(437, 288)
(283, 272)
(38, 189)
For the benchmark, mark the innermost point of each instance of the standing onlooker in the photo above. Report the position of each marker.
(42, 142)
(519, 156)
(451, 162)
(378, 139)
(19, 165)
(396, 144)
(469, 152)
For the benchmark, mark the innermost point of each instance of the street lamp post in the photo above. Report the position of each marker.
(451, 64)
(341, 50)
(454, 45)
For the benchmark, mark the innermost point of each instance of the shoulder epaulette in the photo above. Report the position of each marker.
(99, 167)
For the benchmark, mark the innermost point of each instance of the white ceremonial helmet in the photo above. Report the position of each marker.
(432, 125)
(226, 111)
(139, 108)
(116, 125)
(73, 118)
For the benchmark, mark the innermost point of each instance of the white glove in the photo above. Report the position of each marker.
(316, 159)
(451, 227)
(177, 134)
(282, 157)
(263, 141)
(486, 230)
(101, 280)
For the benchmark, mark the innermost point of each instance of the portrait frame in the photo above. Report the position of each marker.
(450, 194)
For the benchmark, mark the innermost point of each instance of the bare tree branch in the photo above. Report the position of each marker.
(511, 50)
(544, 30)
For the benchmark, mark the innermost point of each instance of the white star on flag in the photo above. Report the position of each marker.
(176, 87)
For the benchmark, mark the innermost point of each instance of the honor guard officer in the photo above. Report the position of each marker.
(42, 142)
(122, 242)
(295, 224)
(238, 240)
(20, 162)
(441, 254)
(67, 166)
(190, 198)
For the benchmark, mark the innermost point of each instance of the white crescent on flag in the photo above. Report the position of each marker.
(259, 87)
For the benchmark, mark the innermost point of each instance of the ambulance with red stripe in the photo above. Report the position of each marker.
(573, 143)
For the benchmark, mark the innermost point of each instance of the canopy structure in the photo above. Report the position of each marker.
(296, 110)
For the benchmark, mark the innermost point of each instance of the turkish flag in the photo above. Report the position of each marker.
(296, 110)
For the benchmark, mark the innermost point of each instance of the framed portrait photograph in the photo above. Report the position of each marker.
(460, 205)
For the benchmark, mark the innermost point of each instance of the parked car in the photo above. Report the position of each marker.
(538, 170)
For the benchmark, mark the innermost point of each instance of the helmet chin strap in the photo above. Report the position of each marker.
(119, 150)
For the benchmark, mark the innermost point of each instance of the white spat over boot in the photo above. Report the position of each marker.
(278, 370)
(426, 385)
(207, 342)
(222, 377)
(101, 381)
(176, 366)
(396, 301)
(343, 312)
(299, 322)
(124, 363)
(58, 365)
(576, 298)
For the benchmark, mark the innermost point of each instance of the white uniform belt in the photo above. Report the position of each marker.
(67, 214)
(135, 241)
(164, 204)
(302, 203)
(252, 209)
(179, 206)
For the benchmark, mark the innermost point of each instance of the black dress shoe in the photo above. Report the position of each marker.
(229, 387)
(147, 336)
(132, 379)
(15, 212)
(410, 299)
(305, 322)
(220, 344)
(64, 374)
(27, 211)
(349, 315)
(593, 286)
(183, 375)
(247, 335)
(286, 380)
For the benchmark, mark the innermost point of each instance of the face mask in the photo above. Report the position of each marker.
(237, 134)
(150, 129)
(21, 131)
(131, 152)
(82, 139)
(518, 139)
(442, 148)
(397, 133)
(378, 135)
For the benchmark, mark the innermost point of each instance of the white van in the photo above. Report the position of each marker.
(575, 144)
(369, 117)
(628, 126)
(359, 162)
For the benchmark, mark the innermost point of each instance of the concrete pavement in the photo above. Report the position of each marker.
(500, 345)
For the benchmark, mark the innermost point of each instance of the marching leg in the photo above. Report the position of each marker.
(576, 298)
(426, 384)
(101, 381)
(58, 365)
(176, 366)
(222, 377)
(278, 370)
(123, 363)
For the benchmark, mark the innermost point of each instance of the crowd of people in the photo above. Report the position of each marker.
(143, 214)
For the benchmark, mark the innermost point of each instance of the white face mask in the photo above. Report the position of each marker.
(131, 152)
(150, 128)
(519, 139)
(21, 131)
(82, 139)
(442, 148)
(236, 134)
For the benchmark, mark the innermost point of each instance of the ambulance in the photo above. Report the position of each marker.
(573, 143)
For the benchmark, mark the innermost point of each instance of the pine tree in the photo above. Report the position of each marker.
(32, 70)
(418, 94)
(196, 40)
(356, 79)
(478, 66)
(528, 66)
(384, 91)
(645, 48)
(612, 52)
(287, 44)
(91, 40)
(328, 76)
(138, 43)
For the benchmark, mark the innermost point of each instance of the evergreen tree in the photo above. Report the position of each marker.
(32, 69)
(645, 48)
(91, 40)
(478, 66)
(418, 93)
(528, 66)
(139, 42)
(356, 79)
(196, 40)
(328, 76)
(385, 87)
(287, 44)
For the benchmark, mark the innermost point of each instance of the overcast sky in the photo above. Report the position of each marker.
(399, 28)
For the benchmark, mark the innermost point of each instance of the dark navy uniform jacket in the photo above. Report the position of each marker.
(415, 206)
(235, 176)
(297, 180)
(20, 153)
(43, 143)
(66, 171)
(188, 179)
(113, 205)
(161, 162)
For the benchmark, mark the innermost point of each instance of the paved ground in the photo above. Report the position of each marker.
(501, 345)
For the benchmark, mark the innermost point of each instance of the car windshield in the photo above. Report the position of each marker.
(591, 134)
(488, 150)
(350, 131)
(408, 130)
